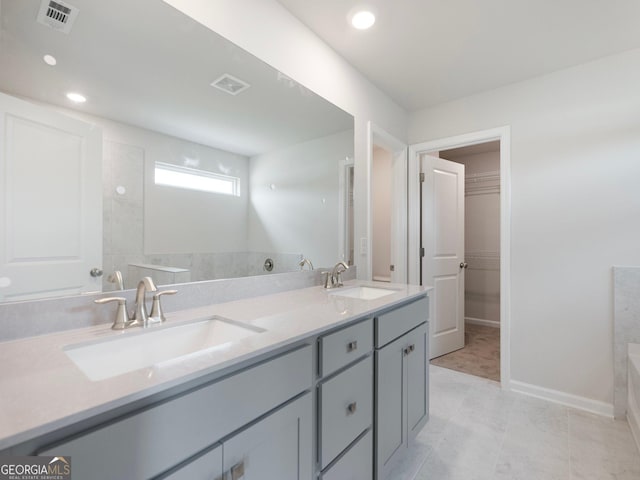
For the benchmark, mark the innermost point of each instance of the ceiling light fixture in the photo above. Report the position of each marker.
(76, 97)
(363, 19)
(50, 60)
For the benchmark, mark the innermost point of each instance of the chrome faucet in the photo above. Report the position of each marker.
(333, 279)
(307, 262)
(140, 312)
(140, 317)
(336, 273)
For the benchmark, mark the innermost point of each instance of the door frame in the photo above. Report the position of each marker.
(502, 134)
(399, 232)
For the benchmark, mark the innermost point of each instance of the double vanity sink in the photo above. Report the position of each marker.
(303, 375)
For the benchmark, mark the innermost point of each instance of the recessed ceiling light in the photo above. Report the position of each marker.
(50, 60)
(76, 97)
(363, 19)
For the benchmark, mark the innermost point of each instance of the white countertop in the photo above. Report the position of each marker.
(42, 390)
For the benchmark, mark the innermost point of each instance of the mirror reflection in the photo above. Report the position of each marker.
(189, 159)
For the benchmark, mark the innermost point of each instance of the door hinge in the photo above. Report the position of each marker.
(421, 177)
(422, 251)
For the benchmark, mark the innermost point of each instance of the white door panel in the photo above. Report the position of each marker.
(443, 241)
(50, 202)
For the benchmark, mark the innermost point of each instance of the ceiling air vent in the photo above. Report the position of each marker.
(57, 15)
(230, 84)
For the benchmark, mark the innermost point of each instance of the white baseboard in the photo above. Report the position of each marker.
(634, 425)
(481, 321)
(633, 415)
(567, 399)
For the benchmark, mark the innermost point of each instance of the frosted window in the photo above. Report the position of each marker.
(192, 179)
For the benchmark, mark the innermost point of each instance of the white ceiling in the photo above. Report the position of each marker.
(425, 52)
(144, 63)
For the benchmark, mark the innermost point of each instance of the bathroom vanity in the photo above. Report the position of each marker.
(333, 385)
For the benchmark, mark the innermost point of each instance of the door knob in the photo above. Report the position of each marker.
(95, 272)
(464, 264)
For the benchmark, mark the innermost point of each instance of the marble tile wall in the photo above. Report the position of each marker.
(123, 208)
(216, 265)
(626, 329)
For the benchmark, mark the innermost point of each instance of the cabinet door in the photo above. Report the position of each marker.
(390, 431)
(277, 447)
(401, 396)
(416, 380)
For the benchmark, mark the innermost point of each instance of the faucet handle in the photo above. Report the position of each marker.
(326, 278)
(122, 319)
(157, 314)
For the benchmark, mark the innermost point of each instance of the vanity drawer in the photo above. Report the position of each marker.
(356, 464)
(344, 346)
(346, 409)
(395, 323)
(148, 443)
(205, 467)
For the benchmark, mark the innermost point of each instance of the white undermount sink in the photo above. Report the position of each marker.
(363, 293)
(147, 347)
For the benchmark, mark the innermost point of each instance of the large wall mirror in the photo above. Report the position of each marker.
(189, 160)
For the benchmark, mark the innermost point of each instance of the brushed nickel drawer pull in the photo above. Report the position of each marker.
(352, 346)
(237, 471)
(352, 408)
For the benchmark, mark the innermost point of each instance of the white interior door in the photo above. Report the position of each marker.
(50, 202)
(443, 243)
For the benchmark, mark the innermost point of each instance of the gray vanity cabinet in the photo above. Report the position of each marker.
(278, 447)
(275, 448)
(345, 402)
(401, 406)
(257, 414)
(206, 466)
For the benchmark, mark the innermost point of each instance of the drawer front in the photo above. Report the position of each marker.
(356, 464)
(344, 346)
(154, 440)
(346, 409)
(205, 467)
(395, 323)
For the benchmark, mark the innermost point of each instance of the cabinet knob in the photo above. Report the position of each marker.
(409, 349)
(351, 408)
(352, 346)
(237, 471)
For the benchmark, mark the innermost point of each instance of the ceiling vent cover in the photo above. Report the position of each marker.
(230, 84)
(57, 15)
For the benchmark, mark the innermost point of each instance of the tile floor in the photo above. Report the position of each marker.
(480, 355)
(477, 431)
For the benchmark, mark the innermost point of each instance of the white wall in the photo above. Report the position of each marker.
(381, 203)
(575, 161)
(300, 215)
(266, 29)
